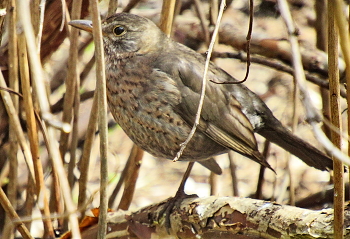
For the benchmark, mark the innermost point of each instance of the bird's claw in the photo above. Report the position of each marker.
(170, 205)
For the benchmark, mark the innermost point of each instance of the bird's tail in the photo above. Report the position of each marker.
(212, 165)
(284, 138)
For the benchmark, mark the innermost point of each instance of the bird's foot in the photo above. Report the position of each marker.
(170, 205)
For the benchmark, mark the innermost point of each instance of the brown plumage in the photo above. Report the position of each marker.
(153, 89)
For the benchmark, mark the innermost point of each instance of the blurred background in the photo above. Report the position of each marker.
(157, 179)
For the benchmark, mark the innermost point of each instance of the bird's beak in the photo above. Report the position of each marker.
(85, 25)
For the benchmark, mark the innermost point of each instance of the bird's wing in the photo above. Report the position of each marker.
(221, 118)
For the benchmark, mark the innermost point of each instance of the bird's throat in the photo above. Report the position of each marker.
(125, 55)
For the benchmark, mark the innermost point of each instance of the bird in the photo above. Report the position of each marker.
(153, 91)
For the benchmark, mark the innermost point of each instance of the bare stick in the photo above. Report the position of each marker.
(311, 113)
(204, 83)
(6, 204)
(167, 16)
(336, 15)
(37, 76)
(102, 112)
(17, 126)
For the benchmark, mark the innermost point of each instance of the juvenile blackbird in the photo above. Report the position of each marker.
(153, 89)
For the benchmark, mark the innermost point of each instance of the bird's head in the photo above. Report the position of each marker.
(125, 33)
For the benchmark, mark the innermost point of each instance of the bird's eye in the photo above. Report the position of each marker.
(119, 30)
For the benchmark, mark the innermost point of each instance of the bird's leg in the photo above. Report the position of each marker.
(181, 189)
(177, 199)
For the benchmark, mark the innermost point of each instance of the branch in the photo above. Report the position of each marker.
(222, 217)
(313, 60)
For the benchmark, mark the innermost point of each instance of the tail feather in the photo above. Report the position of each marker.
(296, 146)
(212, 165)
